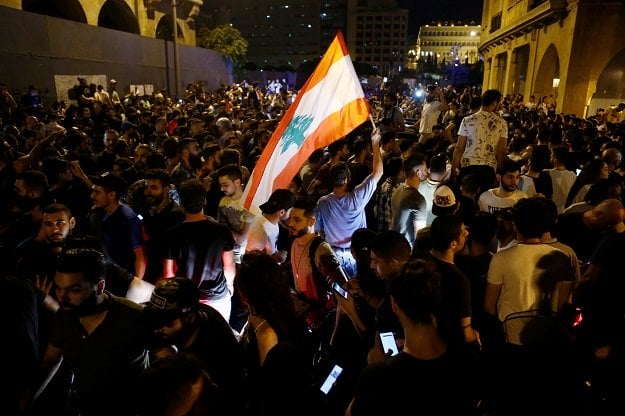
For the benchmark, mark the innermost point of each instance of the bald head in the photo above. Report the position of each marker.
(605, 215)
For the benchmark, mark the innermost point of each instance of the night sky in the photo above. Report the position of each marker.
(423, 12)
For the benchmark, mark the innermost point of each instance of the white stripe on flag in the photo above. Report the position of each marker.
(338, 88)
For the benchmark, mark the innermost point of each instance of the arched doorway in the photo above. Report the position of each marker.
(115, 14)
(610, 88)
(548, 75)
(63, 9)
(165, 30)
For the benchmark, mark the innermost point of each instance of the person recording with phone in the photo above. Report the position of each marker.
(389, 252)
(428, 375)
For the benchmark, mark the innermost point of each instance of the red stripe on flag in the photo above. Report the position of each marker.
(336, 51)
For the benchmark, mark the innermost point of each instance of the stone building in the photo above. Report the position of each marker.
(151, 18)
(446, 42)
(49, 43)
(570, 50)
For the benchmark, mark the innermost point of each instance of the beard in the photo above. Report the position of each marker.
(195, 161)
(154, 200)
(179, 338)
(509, 188)
(88, 307)
(56, 243)
(297, 233)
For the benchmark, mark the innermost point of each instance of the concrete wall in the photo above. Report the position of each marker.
(34, 48)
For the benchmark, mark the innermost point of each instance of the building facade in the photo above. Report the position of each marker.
(571, 50)
(49, 43)
(281, 34)
(377, 34)
(446, 43)
(151, 18)
(290, 33)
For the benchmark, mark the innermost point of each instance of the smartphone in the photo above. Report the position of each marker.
(331, 379)
(338, 289)
(388, 343)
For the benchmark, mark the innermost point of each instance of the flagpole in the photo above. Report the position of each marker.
(372, 122)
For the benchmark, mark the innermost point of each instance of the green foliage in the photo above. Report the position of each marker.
(224, 39)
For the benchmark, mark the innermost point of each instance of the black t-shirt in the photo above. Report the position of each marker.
(543, 184)
(282, 385)
(572, 231)
(213, 196)
(476, 270)
(197, 248)
(386, 320)
(446, 385)
(218, 350)
(456, 296)
(607, 313)
(156, 226)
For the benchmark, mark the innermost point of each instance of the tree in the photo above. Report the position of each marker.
(226, 40)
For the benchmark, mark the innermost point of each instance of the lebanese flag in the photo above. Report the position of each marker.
(329, 106)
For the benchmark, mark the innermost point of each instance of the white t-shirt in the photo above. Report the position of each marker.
(562, 181)
(427, 188)
(489, 202)
(526, 185)
(429, 116)
(263, 235)
(514, 270)
(483, 131)
(234, 215)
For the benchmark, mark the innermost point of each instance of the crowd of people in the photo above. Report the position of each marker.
(480, 233)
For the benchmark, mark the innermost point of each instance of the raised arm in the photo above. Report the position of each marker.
(378, 166)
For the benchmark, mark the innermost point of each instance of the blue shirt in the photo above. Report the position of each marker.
(339, 217)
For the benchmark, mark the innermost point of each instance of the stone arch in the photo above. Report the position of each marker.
(547, 74)
(611, 82)
(63, 9)
(610, 87)
(165, 30)
(116, 14)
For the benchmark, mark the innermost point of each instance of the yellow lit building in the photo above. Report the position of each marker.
(151, 18)
(445, 42)
(571, 50)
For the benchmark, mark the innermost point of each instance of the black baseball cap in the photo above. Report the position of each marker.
(171, 299)
(279, 199)
(112, 183)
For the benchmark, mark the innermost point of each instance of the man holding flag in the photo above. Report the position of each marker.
(329, 106)
(342, 212)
